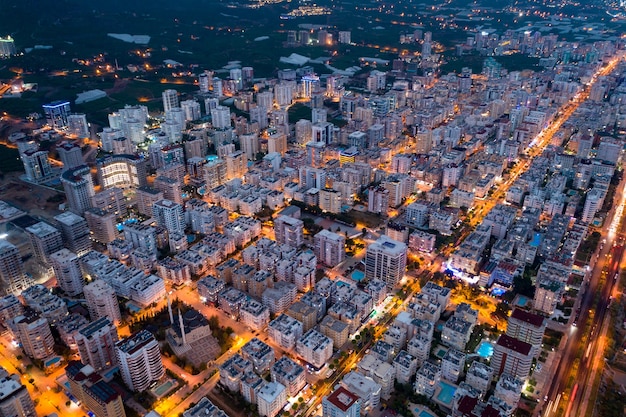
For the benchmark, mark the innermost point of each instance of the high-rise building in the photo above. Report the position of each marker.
(593, 203)
(77, 125)
(169, 215)
(14, 397)
(330, 248)
(142, 237)
(36, 165)
(102, 301)
(57, 114)
(289, 231)
(70, 154)
(122, 171)
(78, 187)
(250, 145)
(93, 391)
(111, 200)
(204, 82)
(191, 110)
(7, 46)
(102, 225)
(310, 83)
(220, 117)
(75, 232)
(45, 240)
(386, 260)
(67, 271)
(170, 100)
(139, 359)
(96, 343)
(527, 327)
(512, 356)
(237, 76)
(33, 333)
(341, 403)
(378, 200)
(12, 277)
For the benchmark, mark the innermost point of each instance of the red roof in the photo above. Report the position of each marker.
(514, 344)
(342, 399)
(472, 407)
(530, 318)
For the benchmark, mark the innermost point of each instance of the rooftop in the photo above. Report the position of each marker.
(342, 399)
(514, 344)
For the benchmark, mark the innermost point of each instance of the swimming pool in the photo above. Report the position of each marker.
(522, 301)
(446, 393)
(357, 275)
(423, 413)
(164, 388)
(485, 349)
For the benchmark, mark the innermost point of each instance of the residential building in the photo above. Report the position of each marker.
(380, 371)
(405, 366)
(204, 408)
(45, 240)
(527, 327)
(139, 360)
(57, 114)
(304, 313)
(512, 356)
(12, 277)
(271, 399)
(279, 298)
(341, 403)
(79, 190)
(288, 373)
(365, 388)
(102, 225)
(338, 331)
(509, 389)
(289, 231)
(75, 232)
(330, 248)
(427, 378)
(386, 260)
(102, 301)
(259, 354)
(254, 314)
(285, 331)
(315, 348)
(37, 165)
(452, 365)
(67, 271)
(169, 215)
(33, 333)
(456, 332)
(96, 343)
(479, 376)
(14, 397)
(209, 289)
(233, 370)
(94, 393)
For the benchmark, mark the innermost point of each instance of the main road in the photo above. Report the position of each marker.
(606, 264)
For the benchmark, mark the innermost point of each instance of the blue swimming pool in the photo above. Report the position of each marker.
(485, 349)
(522, 300)
(423, 413)
(357, 275)
(446, 394)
